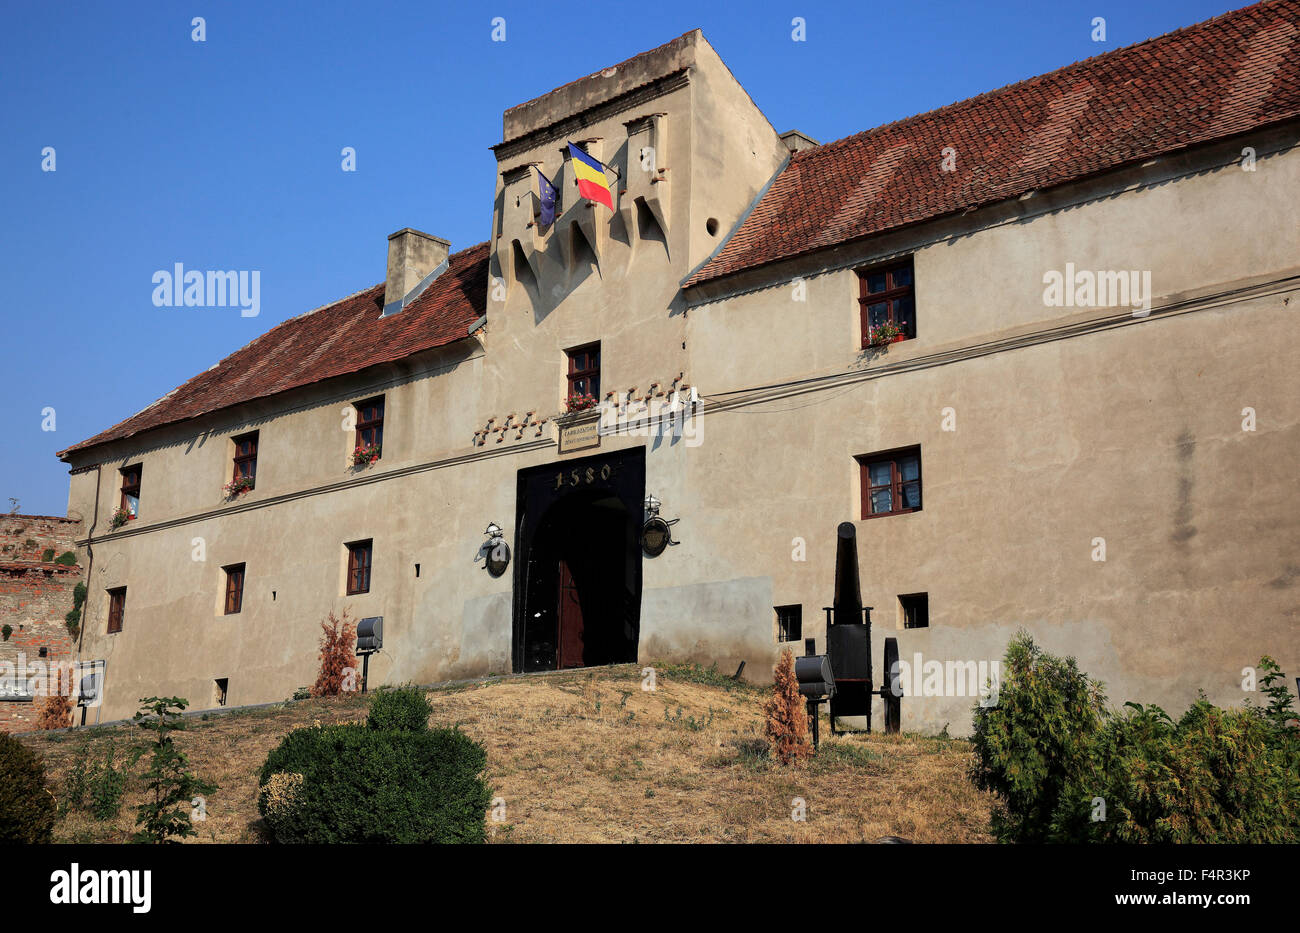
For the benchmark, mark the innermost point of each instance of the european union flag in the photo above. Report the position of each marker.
(549, 196)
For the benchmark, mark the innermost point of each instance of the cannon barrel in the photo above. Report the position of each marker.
(848, 592)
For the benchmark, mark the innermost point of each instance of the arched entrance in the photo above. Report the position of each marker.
(578, 572)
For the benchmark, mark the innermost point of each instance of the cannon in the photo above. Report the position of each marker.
(848, 644)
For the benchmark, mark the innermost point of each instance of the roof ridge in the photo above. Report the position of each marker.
(1033, 79)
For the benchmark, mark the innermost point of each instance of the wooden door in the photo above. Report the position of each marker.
(569, 643)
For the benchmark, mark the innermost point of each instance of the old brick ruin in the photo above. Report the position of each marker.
(35, 596)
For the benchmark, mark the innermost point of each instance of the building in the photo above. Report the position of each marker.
(37, 583)
(1086, 426)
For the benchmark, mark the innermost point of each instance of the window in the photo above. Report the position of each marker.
(246, 458)
(584, 372)
(359, 554)
(370, 424)
(116, 609)
(234, 588)
(916, 610)
(131, 490)
(886, 296)
(789, 623)
(891, 482)
(222, 689)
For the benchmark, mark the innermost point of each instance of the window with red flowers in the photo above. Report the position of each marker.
(887, 299)
(245, 471)
(370, 426)
(891, 482)
(584, 373)
(131, 490)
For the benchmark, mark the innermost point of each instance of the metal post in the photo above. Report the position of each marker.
(365, 670)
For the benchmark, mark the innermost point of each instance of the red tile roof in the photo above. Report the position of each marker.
(337, 339)
(1227, 75)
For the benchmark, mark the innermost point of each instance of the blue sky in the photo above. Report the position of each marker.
(226, 153)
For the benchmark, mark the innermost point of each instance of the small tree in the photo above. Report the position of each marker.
(786, 715)
(169, 782)
(338, 657)
(56, 711)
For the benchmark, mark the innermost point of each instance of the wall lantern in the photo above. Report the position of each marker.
(656, 533)
(496, 550)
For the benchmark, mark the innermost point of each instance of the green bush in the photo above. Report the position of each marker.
(351, 783)
(26, 808)
(1035, 741)
(406, 707)
(1134, 776)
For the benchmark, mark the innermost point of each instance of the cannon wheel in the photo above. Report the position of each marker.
(893, 704)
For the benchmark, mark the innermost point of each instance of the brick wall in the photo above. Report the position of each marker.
(35, 595)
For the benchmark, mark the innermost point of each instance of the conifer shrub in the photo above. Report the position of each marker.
(338, 657)
(786, 715)
(354, 784)
(27, 809)
(406, 707)
(1035, 741)
(1066, 769)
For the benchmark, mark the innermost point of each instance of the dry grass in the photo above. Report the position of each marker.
(590, 757)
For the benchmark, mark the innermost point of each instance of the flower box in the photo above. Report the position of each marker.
(238, 486)
(365, 454)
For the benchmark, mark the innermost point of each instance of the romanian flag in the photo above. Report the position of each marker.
(592, 181)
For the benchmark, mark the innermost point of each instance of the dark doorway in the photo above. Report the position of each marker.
(578, 572)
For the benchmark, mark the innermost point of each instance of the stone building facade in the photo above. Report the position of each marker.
(35, 597)
(1086, 427)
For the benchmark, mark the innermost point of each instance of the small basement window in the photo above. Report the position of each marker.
(222, 686)
(789, 623)
(915, 609)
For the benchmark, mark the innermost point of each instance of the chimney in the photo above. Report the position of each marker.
(414, 260)
(797, 142)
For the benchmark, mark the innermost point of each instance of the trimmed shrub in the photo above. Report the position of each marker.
(786, 715)
(350, 783)
(1067, 770)
(406, 707)
(26, 808)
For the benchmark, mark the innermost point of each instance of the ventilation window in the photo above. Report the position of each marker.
(789, 623)
(219, 694)
(915, 610)
(711, 225)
